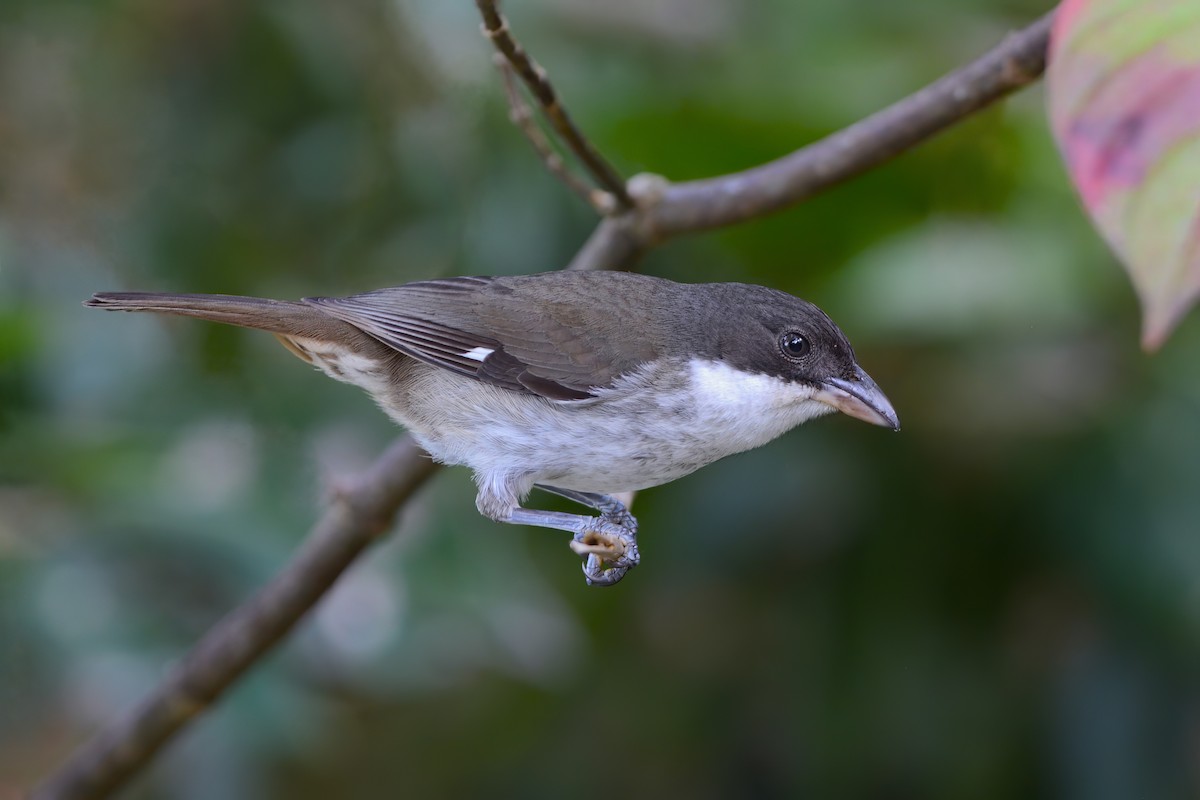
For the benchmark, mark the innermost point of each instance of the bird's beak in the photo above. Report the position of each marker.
(859, 397)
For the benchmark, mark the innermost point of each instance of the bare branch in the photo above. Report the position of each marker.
(522, 116)
(495, 27)
(729, 199)
(655, 210)
(363, 510)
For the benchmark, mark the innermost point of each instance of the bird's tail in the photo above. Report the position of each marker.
(282, 317)
(288, 320)
(276, 316)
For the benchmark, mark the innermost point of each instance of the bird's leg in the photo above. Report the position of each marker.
(609, 507)
(609, 540)
(606, 553)
(611, 548)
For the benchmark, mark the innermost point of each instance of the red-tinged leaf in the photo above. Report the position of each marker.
(1124, 93)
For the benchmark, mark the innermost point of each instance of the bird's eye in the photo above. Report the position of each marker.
(793, 345)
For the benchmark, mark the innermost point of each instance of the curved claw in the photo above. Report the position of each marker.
(595, 573)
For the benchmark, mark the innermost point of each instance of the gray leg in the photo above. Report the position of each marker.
(609, 542)
(610, 547)
(609, 507)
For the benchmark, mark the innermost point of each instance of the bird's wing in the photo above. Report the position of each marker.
(558, 346)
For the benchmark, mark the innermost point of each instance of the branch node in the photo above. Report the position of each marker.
(647, 189)
(499, 32)
(1015, 72)
(604, 202)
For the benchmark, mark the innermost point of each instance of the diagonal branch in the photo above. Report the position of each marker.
(361, 512)
(367, 506)
(666, 210)
(495, 27)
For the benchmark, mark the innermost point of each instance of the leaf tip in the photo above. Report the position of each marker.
(1153, 337)
(1159, 322)
(1163, 308)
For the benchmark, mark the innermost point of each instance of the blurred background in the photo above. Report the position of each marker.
(1003, 600)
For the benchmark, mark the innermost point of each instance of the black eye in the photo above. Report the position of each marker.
(793, 345)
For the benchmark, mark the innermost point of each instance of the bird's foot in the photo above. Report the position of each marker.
(607, 542)
(610, 545)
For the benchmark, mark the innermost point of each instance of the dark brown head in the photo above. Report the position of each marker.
(763, 331)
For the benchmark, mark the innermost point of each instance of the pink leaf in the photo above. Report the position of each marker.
(1124, 95)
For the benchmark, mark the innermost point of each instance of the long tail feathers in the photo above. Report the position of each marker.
(276, 316)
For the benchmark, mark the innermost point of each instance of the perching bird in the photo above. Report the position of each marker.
(585, 384)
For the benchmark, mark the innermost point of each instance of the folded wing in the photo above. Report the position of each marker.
(543, 335)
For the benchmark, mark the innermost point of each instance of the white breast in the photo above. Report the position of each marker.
(647, 430)
(744, 410)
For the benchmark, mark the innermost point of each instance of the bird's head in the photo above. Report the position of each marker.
(776, 334)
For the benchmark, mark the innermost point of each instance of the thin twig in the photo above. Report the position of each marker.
(495, 27)
(368, 506)
(699, 205)
(522, 116)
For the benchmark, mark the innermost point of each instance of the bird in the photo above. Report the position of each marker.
(583, 384)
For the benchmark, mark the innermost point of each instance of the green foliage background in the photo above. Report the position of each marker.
(1002, 600)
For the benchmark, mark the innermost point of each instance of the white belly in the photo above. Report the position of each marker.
(626, 439)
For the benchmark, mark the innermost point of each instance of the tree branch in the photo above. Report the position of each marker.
(367, 507)
(363, 510)
(495, 27)
(520, 115)
(665, 210)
